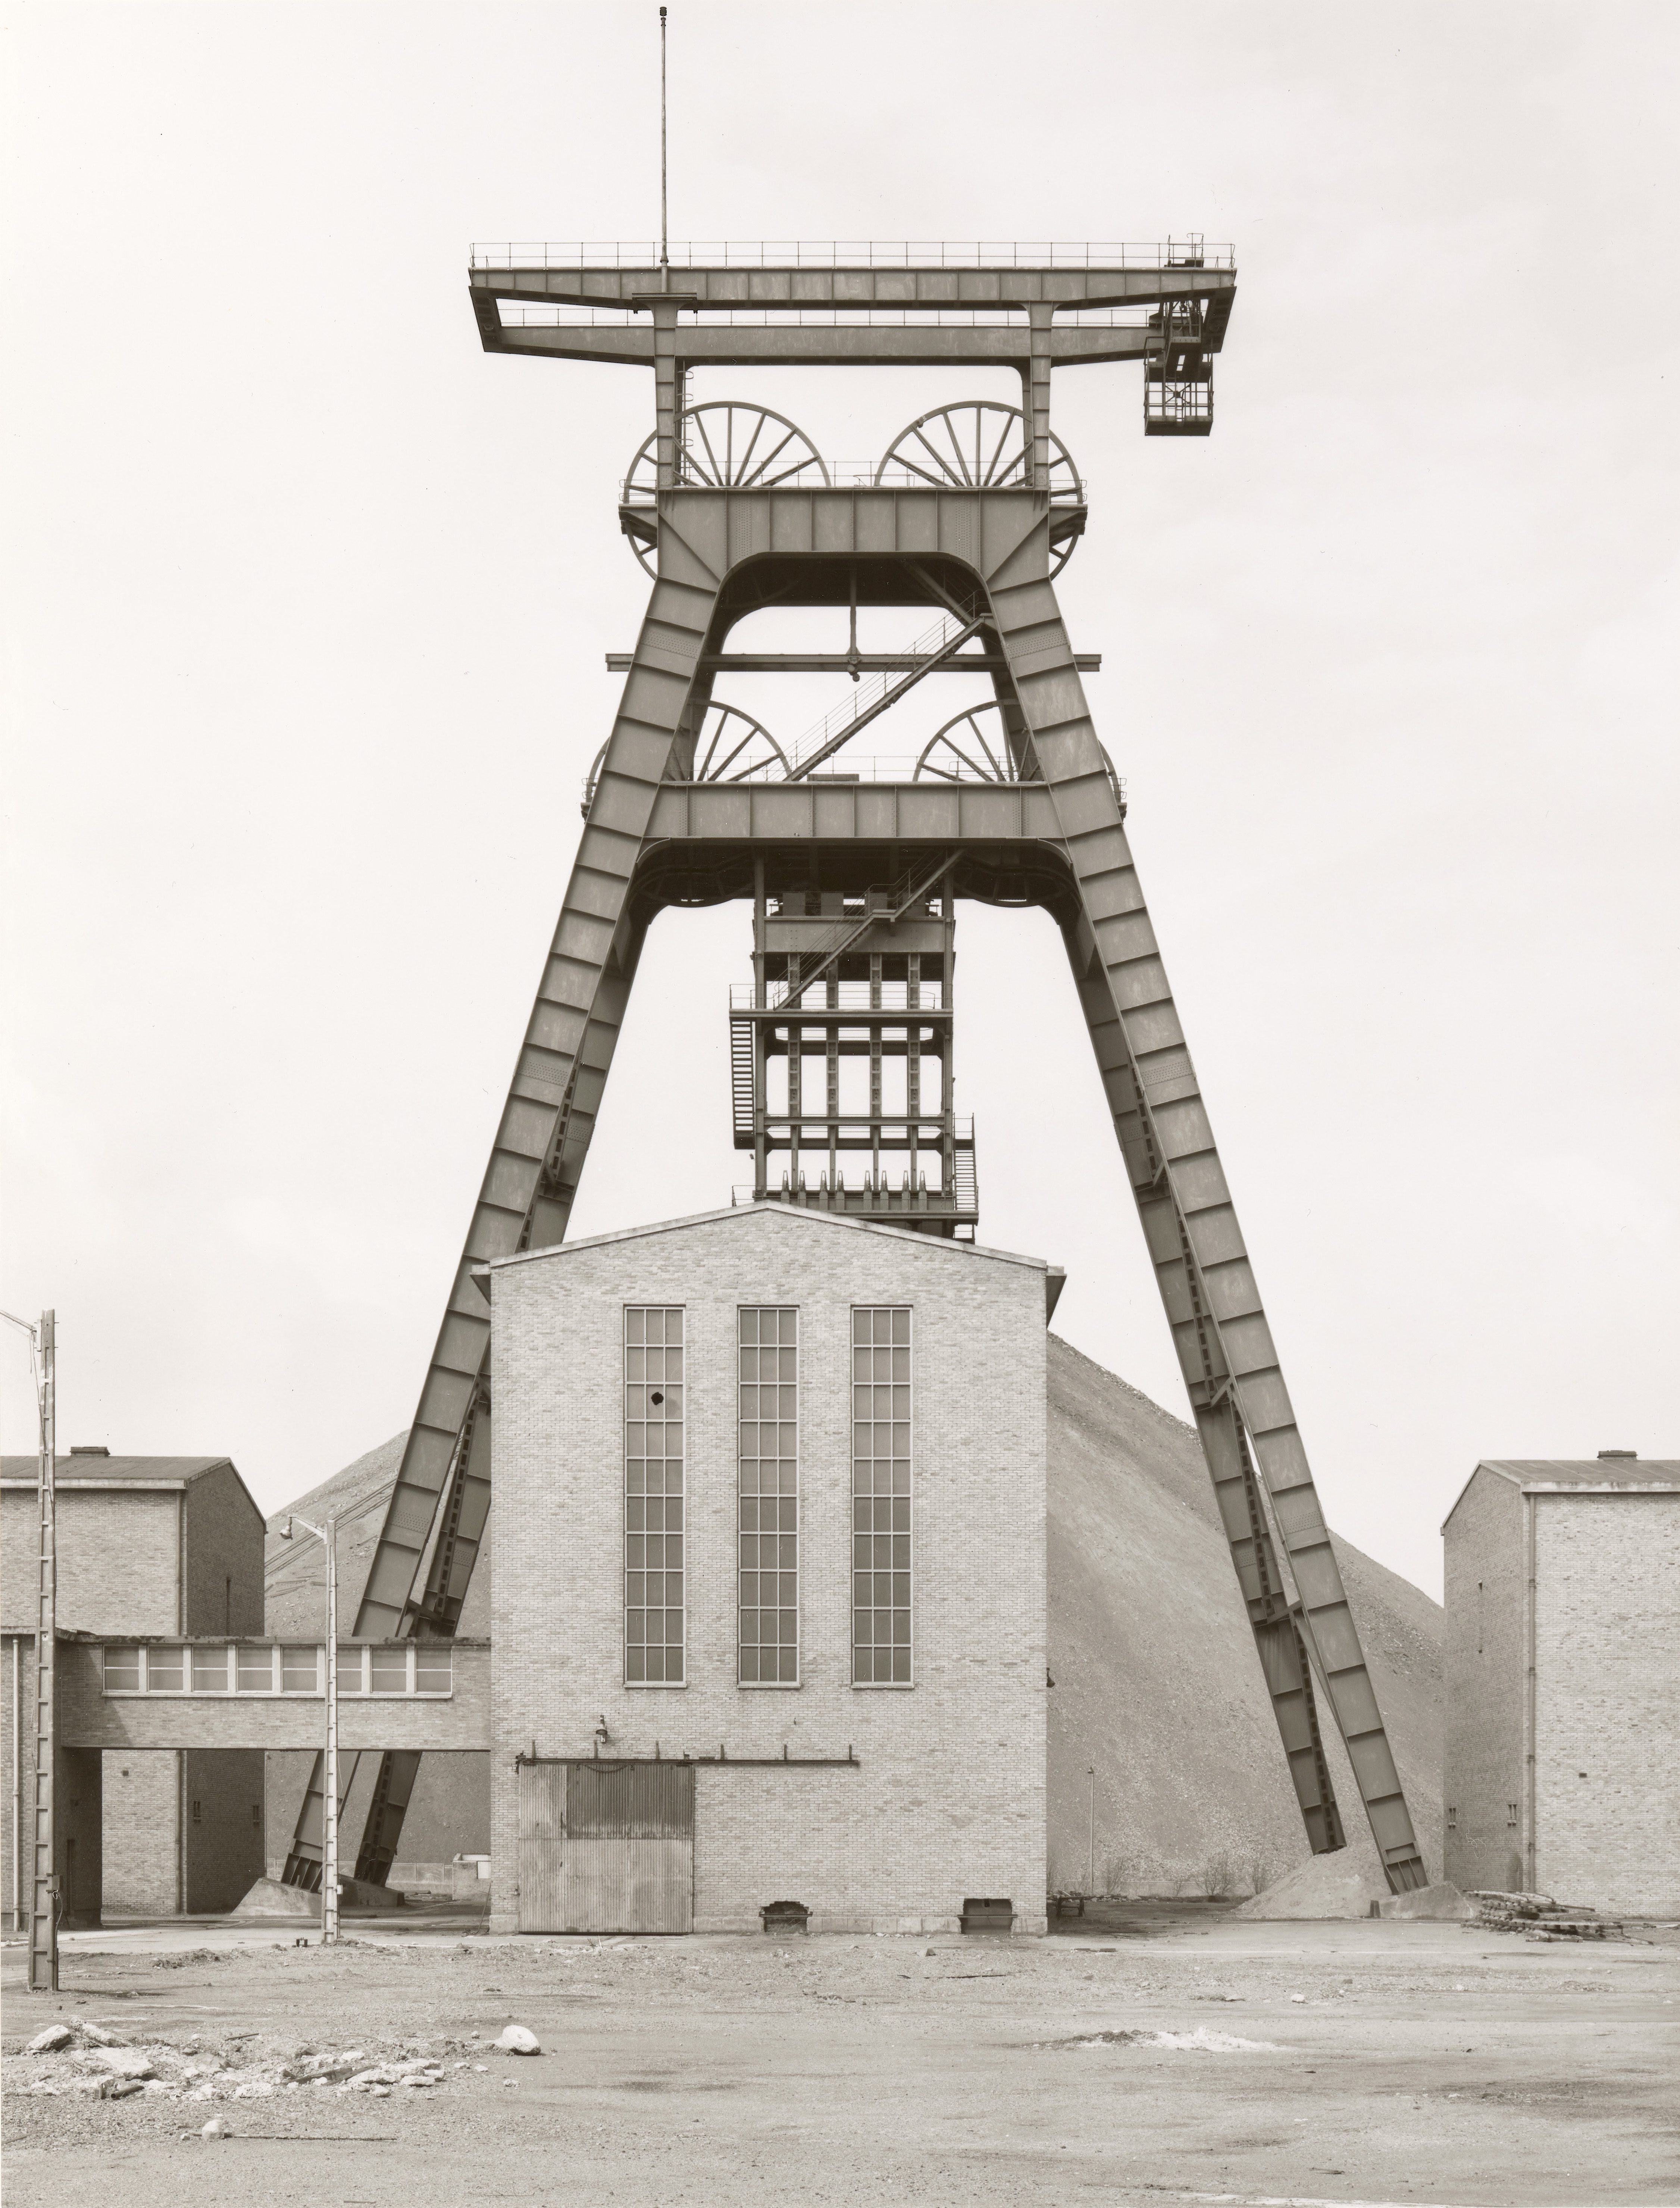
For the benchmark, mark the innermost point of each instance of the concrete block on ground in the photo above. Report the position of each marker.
(1441, 1903)
(271, 1897)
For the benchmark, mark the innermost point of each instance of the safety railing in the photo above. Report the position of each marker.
(515, 315)
(1190, 251)
(848, 997)
(855, 475)
(850, 767)
(410, 1668)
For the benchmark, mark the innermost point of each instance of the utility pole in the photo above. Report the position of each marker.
(43, 1903)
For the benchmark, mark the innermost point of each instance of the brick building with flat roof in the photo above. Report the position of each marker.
(769, 1626)
(1562, 1758)
(146, 1545)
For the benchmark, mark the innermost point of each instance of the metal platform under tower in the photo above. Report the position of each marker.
(841, 1052)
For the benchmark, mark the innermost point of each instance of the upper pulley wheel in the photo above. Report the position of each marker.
(724, 444)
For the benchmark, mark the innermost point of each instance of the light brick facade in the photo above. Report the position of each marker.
(147, 1545)
(1563, 1682)
(947, 1799)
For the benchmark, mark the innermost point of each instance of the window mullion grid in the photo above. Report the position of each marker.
(767, 1497)
(654, 1608)
(881, 1556)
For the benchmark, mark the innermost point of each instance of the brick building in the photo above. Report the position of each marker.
(146, 1545)
(771, 1625)
(1562, 1761)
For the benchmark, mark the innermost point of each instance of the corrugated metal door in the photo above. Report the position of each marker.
(624, 1852)
(541, 1845)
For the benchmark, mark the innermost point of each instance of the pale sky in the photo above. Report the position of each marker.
(306, 601)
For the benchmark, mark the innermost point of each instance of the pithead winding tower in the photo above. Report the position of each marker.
(841, 1046)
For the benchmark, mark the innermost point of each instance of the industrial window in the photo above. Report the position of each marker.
(881, 1497)
(767, 1497)
(1511, 1816)
(653, 1603)
(151, 1668)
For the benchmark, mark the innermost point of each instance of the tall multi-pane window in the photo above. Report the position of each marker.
(881, 1497)
(653, 1604)
(768, 1498)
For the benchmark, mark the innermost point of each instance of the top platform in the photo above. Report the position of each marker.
(870, 253)
(854, 304)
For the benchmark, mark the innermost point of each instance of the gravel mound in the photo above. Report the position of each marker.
(1325, 1886)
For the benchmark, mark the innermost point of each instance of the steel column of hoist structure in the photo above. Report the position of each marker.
(1066, 830)
(543, 1138)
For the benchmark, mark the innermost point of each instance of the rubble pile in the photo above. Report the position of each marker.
(1538, 1916)
(90, 2058)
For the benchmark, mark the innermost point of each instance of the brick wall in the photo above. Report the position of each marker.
(950, 1800)
(142, 1830)
(118, 1560)
(17, 1689)
(224, 1557)
(1607, 1700)
(76, 1822)
(1486, 1660)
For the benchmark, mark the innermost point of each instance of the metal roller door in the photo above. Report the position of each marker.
(606, 1847)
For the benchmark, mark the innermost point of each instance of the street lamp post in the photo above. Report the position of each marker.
(328, 1536)
(1091, 1835)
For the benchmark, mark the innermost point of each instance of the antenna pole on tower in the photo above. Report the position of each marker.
(665, 252)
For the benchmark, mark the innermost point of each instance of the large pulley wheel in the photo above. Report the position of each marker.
(730, 745)
(981, 444)
(965, 751)
(724, 444)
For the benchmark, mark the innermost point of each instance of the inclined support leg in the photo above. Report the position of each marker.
(544, 1135)
(1203, 1268)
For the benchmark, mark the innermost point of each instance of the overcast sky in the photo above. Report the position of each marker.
(306, 601)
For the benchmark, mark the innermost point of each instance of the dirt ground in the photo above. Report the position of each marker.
(1397, 2063)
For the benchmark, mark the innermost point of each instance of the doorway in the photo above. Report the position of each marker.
(606, 1846)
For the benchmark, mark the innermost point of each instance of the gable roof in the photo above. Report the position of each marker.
(1585, 1475)
(90, 1471)
(137, 1473)
(796, 1215)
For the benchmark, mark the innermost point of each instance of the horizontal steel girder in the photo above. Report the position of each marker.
(757, 344)
(845, 663)
(927, 289)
